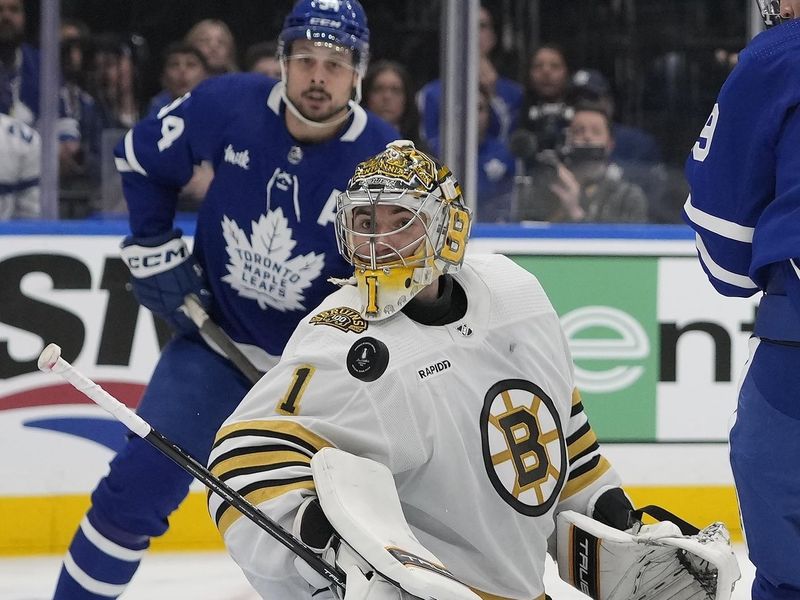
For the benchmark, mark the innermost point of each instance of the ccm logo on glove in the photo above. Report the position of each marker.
(146, 261)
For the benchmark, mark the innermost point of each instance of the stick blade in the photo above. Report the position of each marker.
(49, 357)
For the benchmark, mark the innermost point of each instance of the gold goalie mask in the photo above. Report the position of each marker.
(401, 223)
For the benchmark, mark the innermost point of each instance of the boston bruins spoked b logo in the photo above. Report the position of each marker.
(524, 450)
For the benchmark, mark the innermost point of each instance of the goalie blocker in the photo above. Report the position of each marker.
(372, 543)
(650, 562)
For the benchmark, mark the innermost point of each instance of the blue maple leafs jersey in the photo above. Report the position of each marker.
(265, 234)
(744, 170)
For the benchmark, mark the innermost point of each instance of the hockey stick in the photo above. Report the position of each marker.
(198, 315)
(50, 360)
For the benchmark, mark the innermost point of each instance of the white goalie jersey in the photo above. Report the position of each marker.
(478, 421)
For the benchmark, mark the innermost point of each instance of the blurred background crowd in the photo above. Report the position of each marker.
(586, 110)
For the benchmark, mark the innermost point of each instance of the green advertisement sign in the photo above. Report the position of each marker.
(607, 306)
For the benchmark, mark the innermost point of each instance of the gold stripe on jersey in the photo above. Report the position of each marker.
(274, 428)
(230, 515)
(580, 482)
(584, 441)
(576, 397)
(242, 458)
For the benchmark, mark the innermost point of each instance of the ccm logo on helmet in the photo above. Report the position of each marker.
(325, 22)
(433, 369)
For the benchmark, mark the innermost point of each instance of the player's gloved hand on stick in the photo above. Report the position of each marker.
(363, 583)
(163, 272)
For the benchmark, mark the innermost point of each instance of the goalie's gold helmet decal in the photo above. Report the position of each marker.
(401, 223)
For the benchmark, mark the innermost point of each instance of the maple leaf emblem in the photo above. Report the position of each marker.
(262, 267)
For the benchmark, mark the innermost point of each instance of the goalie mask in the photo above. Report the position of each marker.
(401, 223)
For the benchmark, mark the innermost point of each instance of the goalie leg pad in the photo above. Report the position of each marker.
(657, 563)
(359, 498)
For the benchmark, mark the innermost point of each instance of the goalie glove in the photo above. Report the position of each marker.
(163, 272)
(651, 562)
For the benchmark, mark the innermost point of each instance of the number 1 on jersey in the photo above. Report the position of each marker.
(289, 404)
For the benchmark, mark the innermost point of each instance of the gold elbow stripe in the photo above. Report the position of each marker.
(577, 405)
(256, 457)
(282, 429)
(230, 515)
(582, 443)
(581, 479)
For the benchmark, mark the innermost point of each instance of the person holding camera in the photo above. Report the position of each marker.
(577, 181)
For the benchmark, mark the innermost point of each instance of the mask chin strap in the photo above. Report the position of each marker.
(319, 124)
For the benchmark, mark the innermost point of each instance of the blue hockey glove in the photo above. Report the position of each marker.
(163, 271)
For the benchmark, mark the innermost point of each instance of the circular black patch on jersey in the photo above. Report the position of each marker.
(367, 359)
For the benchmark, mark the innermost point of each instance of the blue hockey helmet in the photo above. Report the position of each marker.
(770, 11)
(339, 22)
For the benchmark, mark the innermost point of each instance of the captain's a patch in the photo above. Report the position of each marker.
(343, 318)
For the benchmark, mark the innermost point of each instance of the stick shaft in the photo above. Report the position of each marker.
(141, 428)
(200, 318)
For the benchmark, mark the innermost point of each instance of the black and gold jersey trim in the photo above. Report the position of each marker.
(581, 443)
(289, 431)
(267, 455)
(583, 476)
(259, 492)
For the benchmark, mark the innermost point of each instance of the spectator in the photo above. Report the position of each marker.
(19, 66)
(506, 94)
(586, 186)
(184, 67)
(495, 167)
(80, 127)
(214, 39)
(114, 87)
(635, 151)
(388, 93)
(631, 144)
(262, 57)
(20, 149)
(547, 111)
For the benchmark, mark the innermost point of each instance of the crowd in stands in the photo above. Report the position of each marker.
(549, 147)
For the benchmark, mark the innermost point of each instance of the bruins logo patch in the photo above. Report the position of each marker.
(342, 318)
(524, 449)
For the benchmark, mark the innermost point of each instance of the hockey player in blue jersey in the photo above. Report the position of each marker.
(264, 249)
(744, 174)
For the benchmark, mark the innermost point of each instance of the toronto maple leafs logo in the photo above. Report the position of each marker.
(262, 267)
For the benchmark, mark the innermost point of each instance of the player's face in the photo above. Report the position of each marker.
(387, 97)
(181, 73)
(396, 231)
(319, 79)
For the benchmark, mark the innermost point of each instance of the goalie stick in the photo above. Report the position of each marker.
(195, 311)
(50, 360)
